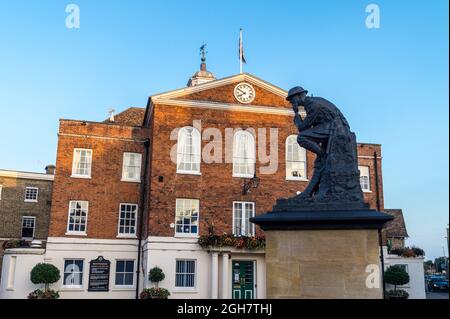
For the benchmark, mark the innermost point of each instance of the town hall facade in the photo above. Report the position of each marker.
(140, 189)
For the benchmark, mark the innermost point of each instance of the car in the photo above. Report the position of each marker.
(436, 283)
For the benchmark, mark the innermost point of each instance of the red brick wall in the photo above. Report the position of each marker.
(366, 158)
(216, 188)
(104, 190)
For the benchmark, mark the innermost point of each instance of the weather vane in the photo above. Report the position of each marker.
(203, 52)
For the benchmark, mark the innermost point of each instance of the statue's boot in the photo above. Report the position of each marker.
(315, 179)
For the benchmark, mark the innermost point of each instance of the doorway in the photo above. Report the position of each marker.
(243, 279)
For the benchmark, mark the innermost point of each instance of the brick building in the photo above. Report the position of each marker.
(154, 180)
(25, 202)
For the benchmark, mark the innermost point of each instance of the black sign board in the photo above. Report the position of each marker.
(99, 274)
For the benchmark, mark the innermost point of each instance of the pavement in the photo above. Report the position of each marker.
(437, 295)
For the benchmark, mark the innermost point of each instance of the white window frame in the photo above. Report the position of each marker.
(82, 274)
(128, 235)
(250, 159)
(196, 145)
(252, 226)
(301, 149)
(184, 288)
(365, 190)
(37, 194)
(34, 227)
(1, 188)
(74, 232)
(75, 167)
(181, 234)
(124, 175)
(124, 272)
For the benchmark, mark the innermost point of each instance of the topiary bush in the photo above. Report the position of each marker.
(397, 276)
(156, 275)
(45, 274)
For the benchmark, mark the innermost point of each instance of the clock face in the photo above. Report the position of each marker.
(244, 92)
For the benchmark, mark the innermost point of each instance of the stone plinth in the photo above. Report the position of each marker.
(320, 263)
(322, 254)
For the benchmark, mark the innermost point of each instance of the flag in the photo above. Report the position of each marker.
(241, 48)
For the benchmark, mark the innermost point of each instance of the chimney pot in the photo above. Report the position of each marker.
(50, 169)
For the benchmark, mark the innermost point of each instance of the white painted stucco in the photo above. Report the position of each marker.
(164, 251)
(17, 265)
(157, 251)
(58, 249)
(416, 285)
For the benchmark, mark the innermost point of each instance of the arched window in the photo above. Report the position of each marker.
(188, 151)
(295, 159)
(243, 154)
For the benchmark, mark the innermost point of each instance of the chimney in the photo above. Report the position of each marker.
(50, 169)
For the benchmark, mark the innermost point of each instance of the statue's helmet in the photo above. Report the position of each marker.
(294, 91)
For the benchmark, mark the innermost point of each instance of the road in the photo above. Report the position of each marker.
(437, 295)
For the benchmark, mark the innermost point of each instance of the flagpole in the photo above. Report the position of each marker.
(240, 50)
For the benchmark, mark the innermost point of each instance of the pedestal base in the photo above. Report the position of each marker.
(321, 263)
(323, 254)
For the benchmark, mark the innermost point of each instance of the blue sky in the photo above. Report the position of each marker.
(391, 82)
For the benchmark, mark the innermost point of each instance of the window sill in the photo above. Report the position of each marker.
(297, 179)
(124, 288)
(80, 176)
(189, 173)
(243, 176)
(30, 201)
(240, 235)
(184, 291)
(123, 236)
(367, 191)
(75, 289)
(75, 234)
(130, 180)
(180, 235)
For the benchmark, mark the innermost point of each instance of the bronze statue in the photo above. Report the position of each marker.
(325, 132)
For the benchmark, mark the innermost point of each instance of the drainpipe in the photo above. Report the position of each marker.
(142, 206)
(380, 236)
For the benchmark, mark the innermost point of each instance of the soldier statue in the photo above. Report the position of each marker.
(316, 131)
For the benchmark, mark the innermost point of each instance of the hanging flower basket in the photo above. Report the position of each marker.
(228, 240)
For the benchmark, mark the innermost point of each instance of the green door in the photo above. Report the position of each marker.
(243, 281)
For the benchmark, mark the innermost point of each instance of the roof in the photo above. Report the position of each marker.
(395, 227)
(132, 116)
(26, 175)
(220, 82)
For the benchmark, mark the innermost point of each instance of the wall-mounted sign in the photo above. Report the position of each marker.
(99, 274)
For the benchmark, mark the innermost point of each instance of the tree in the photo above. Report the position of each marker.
(428, 266)
(45, 274)
(156, 275)
(396, 275)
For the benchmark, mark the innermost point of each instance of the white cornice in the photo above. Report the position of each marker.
(228, 107)
(26, 175)
(221, 82)
(103, 137)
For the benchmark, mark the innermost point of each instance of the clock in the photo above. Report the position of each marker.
(244, 92)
